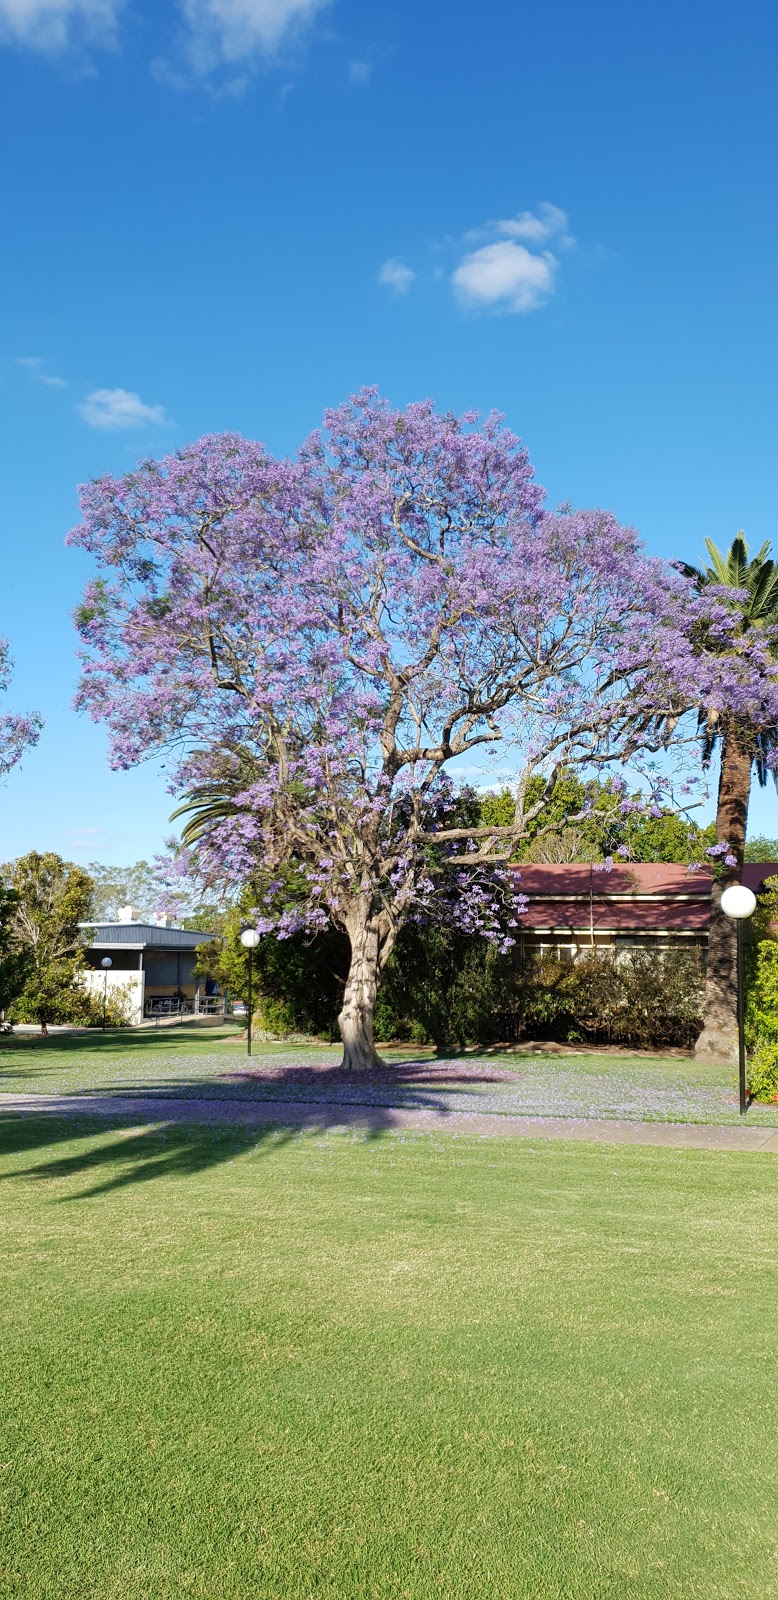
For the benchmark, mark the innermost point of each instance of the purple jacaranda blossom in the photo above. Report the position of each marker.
(319, 642)
(17, 733)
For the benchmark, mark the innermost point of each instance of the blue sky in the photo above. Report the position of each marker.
(232, 213)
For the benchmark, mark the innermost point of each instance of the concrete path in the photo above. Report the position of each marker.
(328, 1117)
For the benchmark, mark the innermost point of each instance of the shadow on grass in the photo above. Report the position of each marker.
(119, 1041)
(125, 1155)
(192, 1132)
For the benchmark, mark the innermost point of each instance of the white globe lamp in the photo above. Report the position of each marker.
(738, 902)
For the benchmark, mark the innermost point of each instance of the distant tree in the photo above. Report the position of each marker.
(149, 887)
(744, 731)
(137, 886)
(17, 733)
(761, 848)
(50, 898)
(14, 956)
(602, 830)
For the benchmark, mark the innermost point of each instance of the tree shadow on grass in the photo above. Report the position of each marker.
(116, 1041)
(126, 1154)
(176, 1130)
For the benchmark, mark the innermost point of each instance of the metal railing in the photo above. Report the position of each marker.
(162, 1005)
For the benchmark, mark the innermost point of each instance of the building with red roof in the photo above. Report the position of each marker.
(636, 905)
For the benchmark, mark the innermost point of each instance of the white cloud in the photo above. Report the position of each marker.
(535, 227)
(120, 408)
(360, 71)
(505, 276)
(395, 275)
(34, 365)
(222, 32)
(52, 25)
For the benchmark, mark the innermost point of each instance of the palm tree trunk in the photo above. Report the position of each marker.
(719, 1039)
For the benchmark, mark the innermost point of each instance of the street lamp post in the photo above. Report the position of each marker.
(739, 903)
(249, 939)
(105, 964)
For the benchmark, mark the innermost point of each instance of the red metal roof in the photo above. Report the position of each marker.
(755, 872)
(619, 916)
(632, 877)
(634, 897)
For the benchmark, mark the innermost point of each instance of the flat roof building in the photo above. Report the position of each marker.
(152, 965)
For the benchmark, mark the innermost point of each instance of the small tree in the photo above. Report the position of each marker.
(50, 898)
(327, 641)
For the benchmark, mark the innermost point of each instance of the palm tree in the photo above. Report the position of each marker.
(743, 746)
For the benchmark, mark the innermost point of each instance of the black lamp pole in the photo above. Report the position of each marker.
(741, 1019)
(739, 903)
(251, 968)
(105, 964)
(249, 939)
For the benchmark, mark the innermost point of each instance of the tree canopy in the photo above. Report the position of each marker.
(325, 642)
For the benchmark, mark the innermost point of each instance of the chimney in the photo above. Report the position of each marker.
(125, 914)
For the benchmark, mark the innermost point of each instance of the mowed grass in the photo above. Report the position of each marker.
(239, 1364)
(194, 1062)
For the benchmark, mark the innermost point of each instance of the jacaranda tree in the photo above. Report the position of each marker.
(17, 733)
(324, 643)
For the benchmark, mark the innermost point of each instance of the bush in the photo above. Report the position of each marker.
(76, 1006)
(445, 988)
(642, 998)
(763, 1073)
(762, 1002)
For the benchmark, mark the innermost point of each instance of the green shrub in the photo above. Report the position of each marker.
(642, 998)
(74, 1005)
(763, 1072)
(762, 1002)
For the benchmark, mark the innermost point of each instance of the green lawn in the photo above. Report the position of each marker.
(193, 1062)
(239, 1364)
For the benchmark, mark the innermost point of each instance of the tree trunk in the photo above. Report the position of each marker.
(356, 1017)
(719, 1038)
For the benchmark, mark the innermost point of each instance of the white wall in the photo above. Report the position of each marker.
(129, 985)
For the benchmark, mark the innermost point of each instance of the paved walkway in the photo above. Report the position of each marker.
(322, 1117)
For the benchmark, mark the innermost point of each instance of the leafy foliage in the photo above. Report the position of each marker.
(603, 829)
(148, 885)
(642, 998)
(761, 848)
(297, 982)
(750, 590)
(50, 898)
(14, 955)
(763, 1072)
(762, 969)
